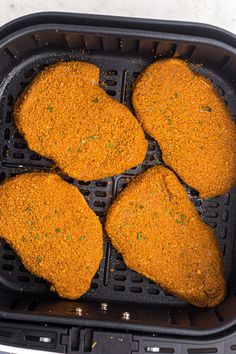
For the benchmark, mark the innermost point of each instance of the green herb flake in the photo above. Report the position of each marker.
(27, 209)
(50, 108)
(57, 230)
(109, 145)
(69, 238)
(92, 137)
(179, 221)
(46, 235)
(170, 122)
(82, 141)
(141, 206)
(82, 238)
(78, 149)
(41, 138)
(139, 235)
(206, 109)
(156, 161)
(96, 100)
(39, 259)
(181, 254)
(30, 222)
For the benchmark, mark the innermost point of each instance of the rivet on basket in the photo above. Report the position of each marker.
(125, 316)
(104, 306)
(78, 311)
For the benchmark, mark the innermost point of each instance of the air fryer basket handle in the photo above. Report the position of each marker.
(76, 340)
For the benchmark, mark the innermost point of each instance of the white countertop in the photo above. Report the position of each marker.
(221, 13)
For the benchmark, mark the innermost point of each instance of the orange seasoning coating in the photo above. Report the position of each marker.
(160, 234)
(182, 111)
(49, 224)
(65, 116)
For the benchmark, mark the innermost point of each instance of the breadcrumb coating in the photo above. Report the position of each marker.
(65, 116)
(160, 234)
(49, 224)
(182, 111)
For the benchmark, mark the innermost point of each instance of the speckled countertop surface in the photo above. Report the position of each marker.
(221, 13)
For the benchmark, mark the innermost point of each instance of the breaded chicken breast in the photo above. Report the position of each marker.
(49, 224)
(182, 111)
(160, 234)
(65, 116)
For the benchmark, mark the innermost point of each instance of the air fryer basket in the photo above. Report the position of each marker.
(119, 297)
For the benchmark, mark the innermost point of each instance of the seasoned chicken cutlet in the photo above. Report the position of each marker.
(51, 227)
(65, 116)
(182, 111)
(156, 228)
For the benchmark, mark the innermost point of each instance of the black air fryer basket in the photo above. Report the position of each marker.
(123, 312)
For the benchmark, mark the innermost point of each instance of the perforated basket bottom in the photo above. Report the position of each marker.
(113, 281)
